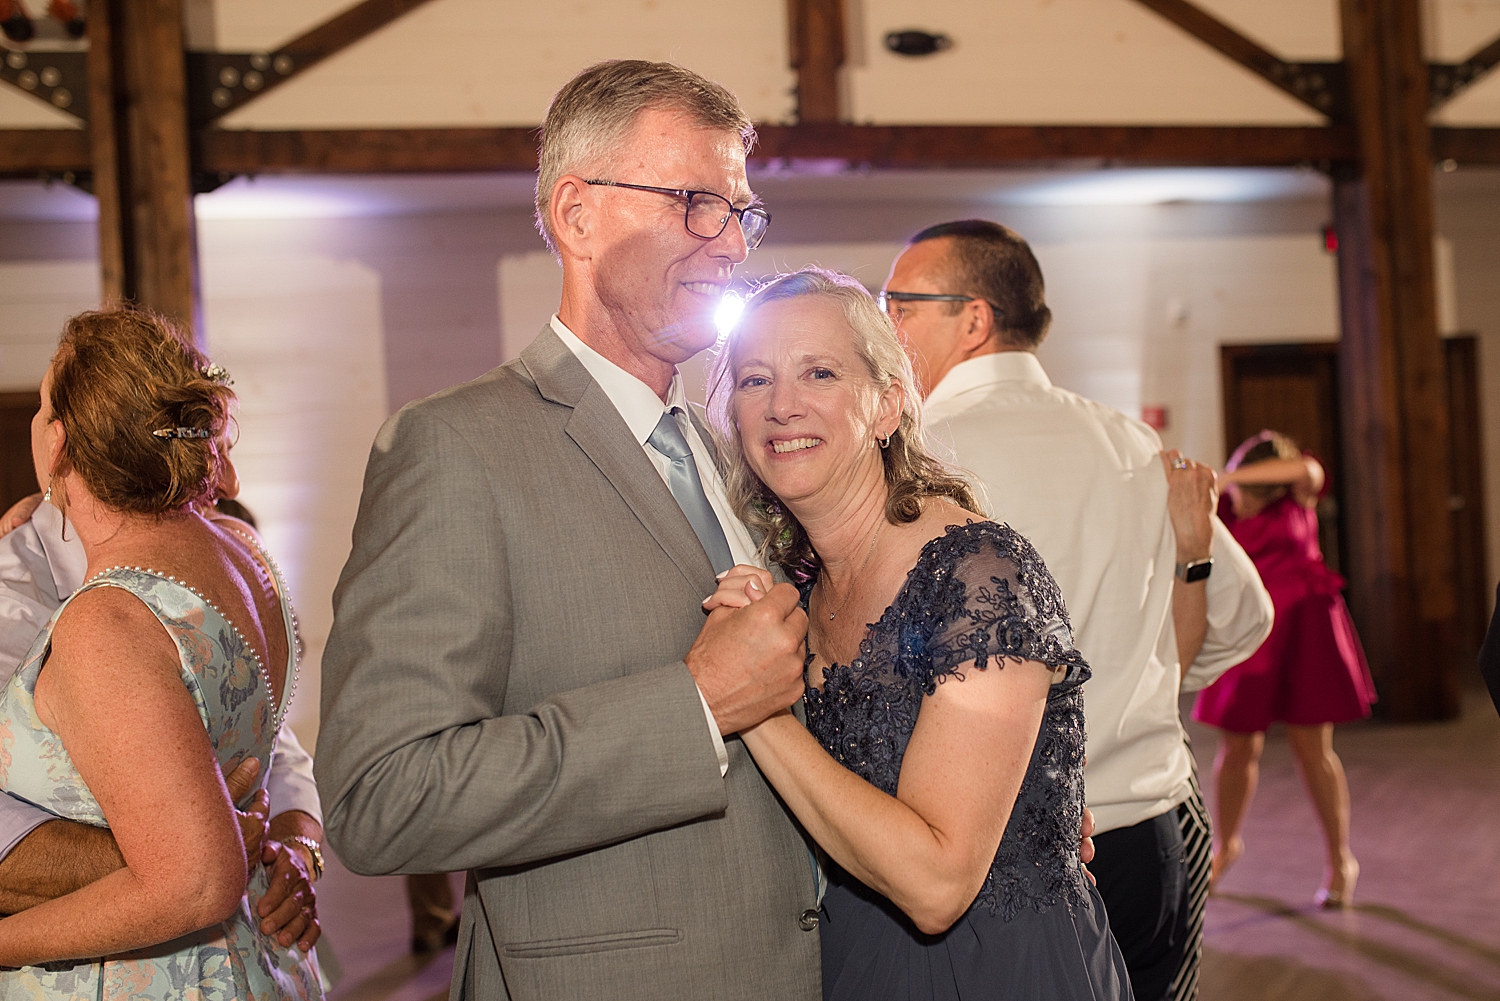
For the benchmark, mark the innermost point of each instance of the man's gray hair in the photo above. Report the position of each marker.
(592, 114)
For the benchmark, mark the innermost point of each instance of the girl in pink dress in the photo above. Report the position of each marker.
(1310, 673)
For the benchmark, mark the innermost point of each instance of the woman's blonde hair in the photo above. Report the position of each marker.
(912, 472)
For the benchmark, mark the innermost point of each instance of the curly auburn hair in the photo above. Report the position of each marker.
(912, 472)
(120, 374)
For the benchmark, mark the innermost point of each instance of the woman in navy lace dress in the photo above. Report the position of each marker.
(941, 768)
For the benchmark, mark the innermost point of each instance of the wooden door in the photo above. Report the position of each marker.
(17, 476)
(1294, 389)
(1466, 500)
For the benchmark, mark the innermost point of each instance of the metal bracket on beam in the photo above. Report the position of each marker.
(220, 82)
(1324, 86)
(60, 79)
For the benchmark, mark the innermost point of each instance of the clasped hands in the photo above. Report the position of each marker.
(289, 908)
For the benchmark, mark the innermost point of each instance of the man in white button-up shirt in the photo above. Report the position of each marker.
(1087, 486)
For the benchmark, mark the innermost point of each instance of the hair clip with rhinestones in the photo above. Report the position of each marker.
(183, 432)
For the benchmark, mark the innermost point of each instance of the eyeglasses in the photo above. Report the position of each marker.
(708, 214)
(884, 300)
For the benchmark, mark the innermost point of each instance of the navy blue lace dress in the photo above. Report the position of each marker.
(980, 594)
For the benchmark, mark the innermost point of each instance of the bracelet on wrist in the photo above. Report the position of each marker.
(314, 851)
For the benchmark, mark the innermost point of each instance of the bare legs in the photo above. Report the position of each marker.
(1236, 772)
(1323, 773)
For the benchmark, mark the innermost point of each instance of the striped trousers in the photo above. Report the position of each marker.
(1197, 845)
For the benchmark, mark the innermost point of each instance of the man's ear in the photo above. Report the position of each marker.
(980, 326)
(568, 212)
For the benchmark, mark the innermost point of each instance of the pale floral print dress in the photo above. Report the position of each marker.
(230, 960)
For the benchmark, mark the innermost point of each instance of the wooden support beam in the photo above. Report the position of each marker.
(1395, 433)
(33, 152)
(817, 49)
(225, 81)
(1447, 80)
(383, 151)
(139, 137)
(53, 152)
(1467, 147)
(1320, 86)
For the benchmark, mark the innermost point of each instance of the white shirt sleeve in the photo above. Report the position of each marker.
(720, 751)
(1240, 613)
(290, 783)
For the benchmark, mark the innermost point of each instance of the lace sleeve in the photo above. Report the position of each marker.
(995, 599)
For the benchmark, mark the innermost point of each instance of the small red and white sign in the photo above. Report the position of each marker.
(1155, 416)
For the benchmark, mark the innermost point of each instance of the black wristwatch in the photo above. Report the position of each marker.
(1190, 573)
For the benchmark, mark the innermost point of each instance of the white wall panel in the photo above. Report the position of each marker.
(479, 62)
(1052, 61)
(35, 298)
(301, 335)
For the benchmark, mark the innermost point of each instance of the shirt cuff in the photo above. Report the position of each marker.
(720, 751)
(19, 818)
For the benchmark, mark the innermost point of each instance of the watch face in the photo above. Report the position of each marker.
(1198, 572)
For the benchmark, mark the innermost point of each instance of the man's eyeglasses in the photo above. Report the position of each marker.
(885, 300)
(708, 214)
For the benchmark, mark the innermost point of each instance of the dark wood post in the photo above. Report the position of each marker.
(139, 138)
(817, 40)
(1391, 367)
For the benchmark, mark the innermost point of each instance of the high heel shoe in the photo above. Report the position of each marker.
(1341, 895)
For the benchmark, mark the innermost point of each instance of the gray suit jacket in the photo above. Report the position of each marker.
(504, 692)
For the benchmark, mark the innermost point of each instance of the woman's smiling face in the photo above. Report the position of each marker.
(807, 409)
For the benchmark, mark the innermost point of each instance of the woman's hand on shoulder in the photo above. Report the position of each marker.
(739, 586)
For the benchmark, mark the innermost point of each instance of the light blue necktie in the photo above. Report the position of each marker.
(682, 480)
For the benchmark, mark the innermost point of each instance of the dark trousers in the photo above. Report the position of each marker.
(1142, 874)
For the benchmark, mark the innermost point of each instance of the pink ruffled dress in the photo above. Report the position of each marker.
(1311, 669)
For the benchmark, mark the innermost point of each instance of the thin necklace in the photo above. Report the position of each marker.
(827, 587)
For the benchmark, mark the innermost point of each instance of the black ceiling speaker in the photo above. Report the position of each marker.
(916, 43)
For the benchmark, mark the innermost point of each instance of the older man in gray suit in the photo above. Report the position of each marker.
(520, 680)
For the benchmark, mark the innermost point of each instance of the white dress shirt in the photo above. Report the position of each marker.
(641, 410)
(38, 571)
(1085, 484)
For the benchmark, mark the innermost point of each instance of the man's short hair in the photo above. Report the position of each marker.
(992, 262)
(589, 118)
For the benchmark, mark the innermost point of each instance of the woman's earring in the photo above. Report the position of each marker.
(885, 442)
(48, 495)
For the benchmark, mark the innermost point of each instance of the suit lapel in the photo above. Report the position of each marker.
(597, 428)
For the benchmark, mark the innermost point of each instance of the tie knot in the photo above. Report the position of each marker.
(668, 438)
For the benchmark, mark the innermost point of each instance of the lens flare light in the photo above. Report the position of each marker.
(728, 313)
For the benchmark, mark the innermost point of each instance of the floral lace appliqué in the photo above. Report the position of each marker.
(979, 595)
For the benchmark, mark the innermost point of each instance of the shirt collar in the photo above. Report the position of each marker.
(637, 403)
(66, 559)
(986, 370)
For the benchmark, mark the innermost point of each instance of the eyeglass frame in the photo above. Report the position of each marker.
(884, 298)
(688, 193)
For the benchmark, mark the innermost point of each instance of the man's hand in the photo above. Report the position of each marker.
(253, 822)
(1192, 494)
(20, 512)
(289, 909)
(748, 661)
